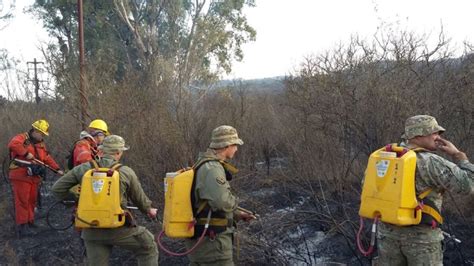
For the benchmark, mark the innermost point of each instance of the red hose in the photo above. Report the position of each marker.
(160, 236)
(372, 238)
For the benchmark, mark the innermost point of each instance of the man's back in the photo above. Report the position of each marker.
(421, 244)
(130, 188)
(98, 241)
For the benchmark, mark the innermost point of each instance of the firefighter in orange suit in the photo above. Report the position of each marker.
(25, 174)
(85, 150)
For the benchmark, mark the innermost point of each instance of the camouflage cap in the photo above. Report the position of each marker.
(421, 125)
(113, 143)
(224, 136)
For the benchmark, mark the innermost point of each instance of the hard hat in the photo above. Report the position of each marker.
(42, 126)
(100, 125)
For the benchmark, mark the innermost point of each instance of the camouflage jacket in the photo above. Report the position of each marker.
(433, 171)
(441, 175)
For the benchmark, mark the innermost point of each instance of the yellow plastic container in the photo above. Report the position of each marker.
(178, 219)
(99, 200)
(389, 188)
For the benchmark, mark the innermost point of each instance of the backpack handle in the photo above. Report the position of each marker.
(395, 148)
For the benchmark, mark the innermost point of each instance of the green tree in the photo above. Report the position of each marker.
(198, 39)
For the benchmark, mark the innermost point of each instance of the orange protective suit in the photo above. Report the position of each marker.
(25, 187)
(85, 150)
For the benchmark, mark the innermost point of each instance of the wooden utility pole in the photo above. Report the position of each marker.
(35, 80)
(82, 79)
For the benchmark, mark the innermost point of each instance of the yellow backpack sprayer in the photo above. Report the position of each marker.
(99, 200)
(179, 218)
(388, 192)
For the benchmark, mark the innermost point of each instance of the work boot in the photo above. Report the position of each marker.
(23, 230)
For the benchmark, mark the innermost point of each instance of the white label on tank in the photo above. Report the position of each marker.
(97, 185)
(382, 167)
(99, 174)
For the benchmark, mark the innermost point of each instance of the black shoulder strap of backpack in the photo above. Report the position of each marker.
(193, 186)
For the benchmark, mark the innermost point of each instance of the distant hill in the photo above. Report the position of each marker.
(273, 83)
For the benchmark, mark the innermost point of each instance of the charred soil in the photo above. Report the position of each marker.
(283, 235)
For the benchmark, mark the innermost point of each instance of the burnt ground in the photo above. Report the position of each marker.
(270, 241)
(56, 247)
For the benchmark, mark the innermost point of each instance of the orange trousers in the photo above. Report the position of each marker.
(25, 193)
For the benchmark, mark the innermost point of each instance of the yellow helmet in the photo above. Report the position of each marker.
(42, 126)
(100, 125)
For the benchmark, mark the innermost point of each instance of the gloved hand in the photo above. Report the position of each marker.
(29, 156)
(60, 172)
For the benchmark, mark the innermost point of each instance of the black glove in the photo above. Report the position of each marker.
(35, 169)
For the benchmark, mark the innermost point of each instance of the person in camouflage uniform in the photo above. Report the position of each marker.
(421, 244)
(98, 241)
(212, 186)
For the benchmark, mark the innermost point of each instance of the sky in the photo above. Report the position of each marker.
(22, 35)
(289, 30)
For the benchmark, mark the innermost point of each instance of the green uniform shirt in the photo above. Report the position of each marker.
(130, 188)
(212, 185)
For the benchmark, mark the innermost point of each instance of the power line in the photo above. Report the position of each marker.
(35, 79)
